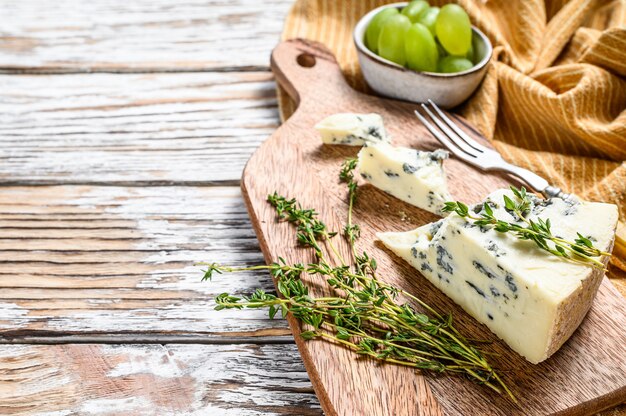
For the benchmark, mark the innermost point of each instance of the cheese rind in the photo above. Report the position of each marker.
(352, 129)
(530, 298)
(413, 176)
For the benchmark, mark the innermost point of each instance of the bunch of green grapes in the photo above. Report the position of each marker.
(423, 38)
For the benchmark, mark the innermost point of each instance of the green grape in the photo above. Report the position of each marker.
(415, 9)
(421, 49)
(449, 64)
(440, 49)
(429, 18)
(453, 29)
(373, 29)
(391, 38)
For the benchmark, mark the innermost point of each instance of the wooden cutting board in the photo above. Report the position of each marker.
(585, 376)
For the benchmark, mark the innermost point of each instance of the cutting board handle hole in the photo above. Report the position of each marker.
(306, 60)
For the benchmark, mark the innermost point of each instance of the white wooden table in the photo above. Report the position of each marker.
(124, 128)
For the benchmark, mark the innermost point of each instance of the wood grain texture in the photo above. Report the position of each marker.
(133, 129)
(80, 260)
(173, 380)
(142, 35)
(586, 375)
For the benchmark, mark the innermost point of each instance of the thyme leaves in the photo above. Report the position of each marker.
(362, 313)
(539, 230)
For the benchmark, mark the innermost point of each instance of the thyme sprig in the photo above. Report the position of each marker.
(365, 316)
(362, 313)
(539, 231)
(351, 231)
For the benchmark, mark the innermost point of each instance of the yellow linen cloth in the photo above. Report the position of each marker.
(553, 99)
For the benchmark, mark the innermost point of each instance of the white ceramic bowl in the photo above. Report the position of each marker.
(392, 80)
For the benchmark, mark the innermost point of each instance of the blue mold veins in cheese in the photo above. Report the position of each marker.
(413, 176)
(352, 129)
(531, 299)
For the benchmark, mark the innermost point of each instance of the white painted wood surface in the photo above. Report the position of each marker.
(139, 35)
(191, 128)
(102, 255)
(174, 380)
(121, 260)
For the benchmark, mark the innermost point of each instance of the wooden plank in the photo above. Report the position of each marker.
(143, 35)
(92, 261)
(134, 129)
(586, 375)
(98, 380)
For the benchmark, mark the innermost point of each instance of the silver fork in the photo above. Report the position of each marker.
(472, 152)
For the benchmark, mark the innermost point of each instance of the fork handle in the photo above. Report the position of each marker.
(535, 181)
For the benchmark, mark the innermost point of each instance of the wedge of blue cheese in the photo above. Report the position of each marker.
(413, 176)
(352, 129)
(529, 298)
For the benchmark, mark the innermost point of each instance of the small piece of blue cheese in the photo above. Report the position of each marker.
(530, 298)
(352, 129)
(411, 175)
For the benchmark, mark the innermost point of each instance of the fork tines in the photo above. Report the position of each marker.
(449, 134)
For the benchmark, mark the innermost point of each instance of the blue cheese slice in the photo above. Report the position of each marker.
(352, 129)
(531, 299)
(411, 175)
